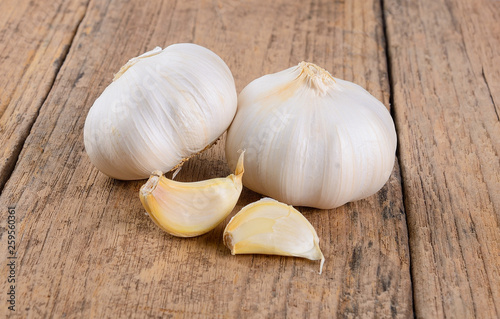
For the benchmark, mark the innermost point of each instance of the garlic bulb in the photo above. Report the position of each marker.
(191, 209)
(161, 108)
(312, 139)
(270, 227)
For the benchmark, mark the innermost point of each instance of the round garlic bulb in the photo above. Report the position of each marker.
(161, 108)
(311, 139)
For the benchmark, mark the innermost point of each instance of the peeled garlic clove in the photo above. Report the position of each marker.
(312, 139)
(161, 108)
(191, 209)
(270, 227)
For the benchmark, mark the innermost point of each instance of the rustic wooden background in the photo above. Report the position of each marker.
(426, 245)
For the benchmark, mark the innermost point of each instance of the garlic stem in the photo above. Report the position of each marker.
(316, 77)
(133, 61)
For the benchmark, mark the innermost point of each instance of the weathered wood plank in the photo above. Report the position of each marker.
(446, 75)
(35, 37)
(85, 248)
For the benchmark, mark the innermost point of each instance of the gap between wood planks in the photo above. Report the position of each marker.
(14, 158)
(398, 149)
(491, 95)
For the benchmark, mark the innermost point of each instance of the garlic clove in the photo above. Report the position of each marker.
(270, 227)
(191, 209)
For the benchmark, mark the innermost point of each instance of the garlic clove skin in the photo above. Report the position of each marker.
(270, 227)
(312, 139)
(162, 107)
(191, 209)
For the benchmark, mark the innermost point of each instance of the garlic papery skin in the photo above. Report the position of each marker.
(161, 108)
(312, 139)
(270, 227)
(191, 209)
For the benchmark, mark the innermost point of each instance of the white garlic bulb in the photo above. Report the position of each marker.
(312, 139)
(161, 108)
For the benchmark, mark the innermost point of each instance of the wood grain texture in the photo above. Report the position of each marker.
(446, 76)
(35, 37)
(86, 249)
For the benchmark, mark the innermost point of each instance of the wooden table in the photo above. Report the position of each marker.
(426, 245)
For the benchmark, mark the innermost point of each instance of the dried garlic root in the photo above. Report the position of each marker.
(191, 209)
(270, 227)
